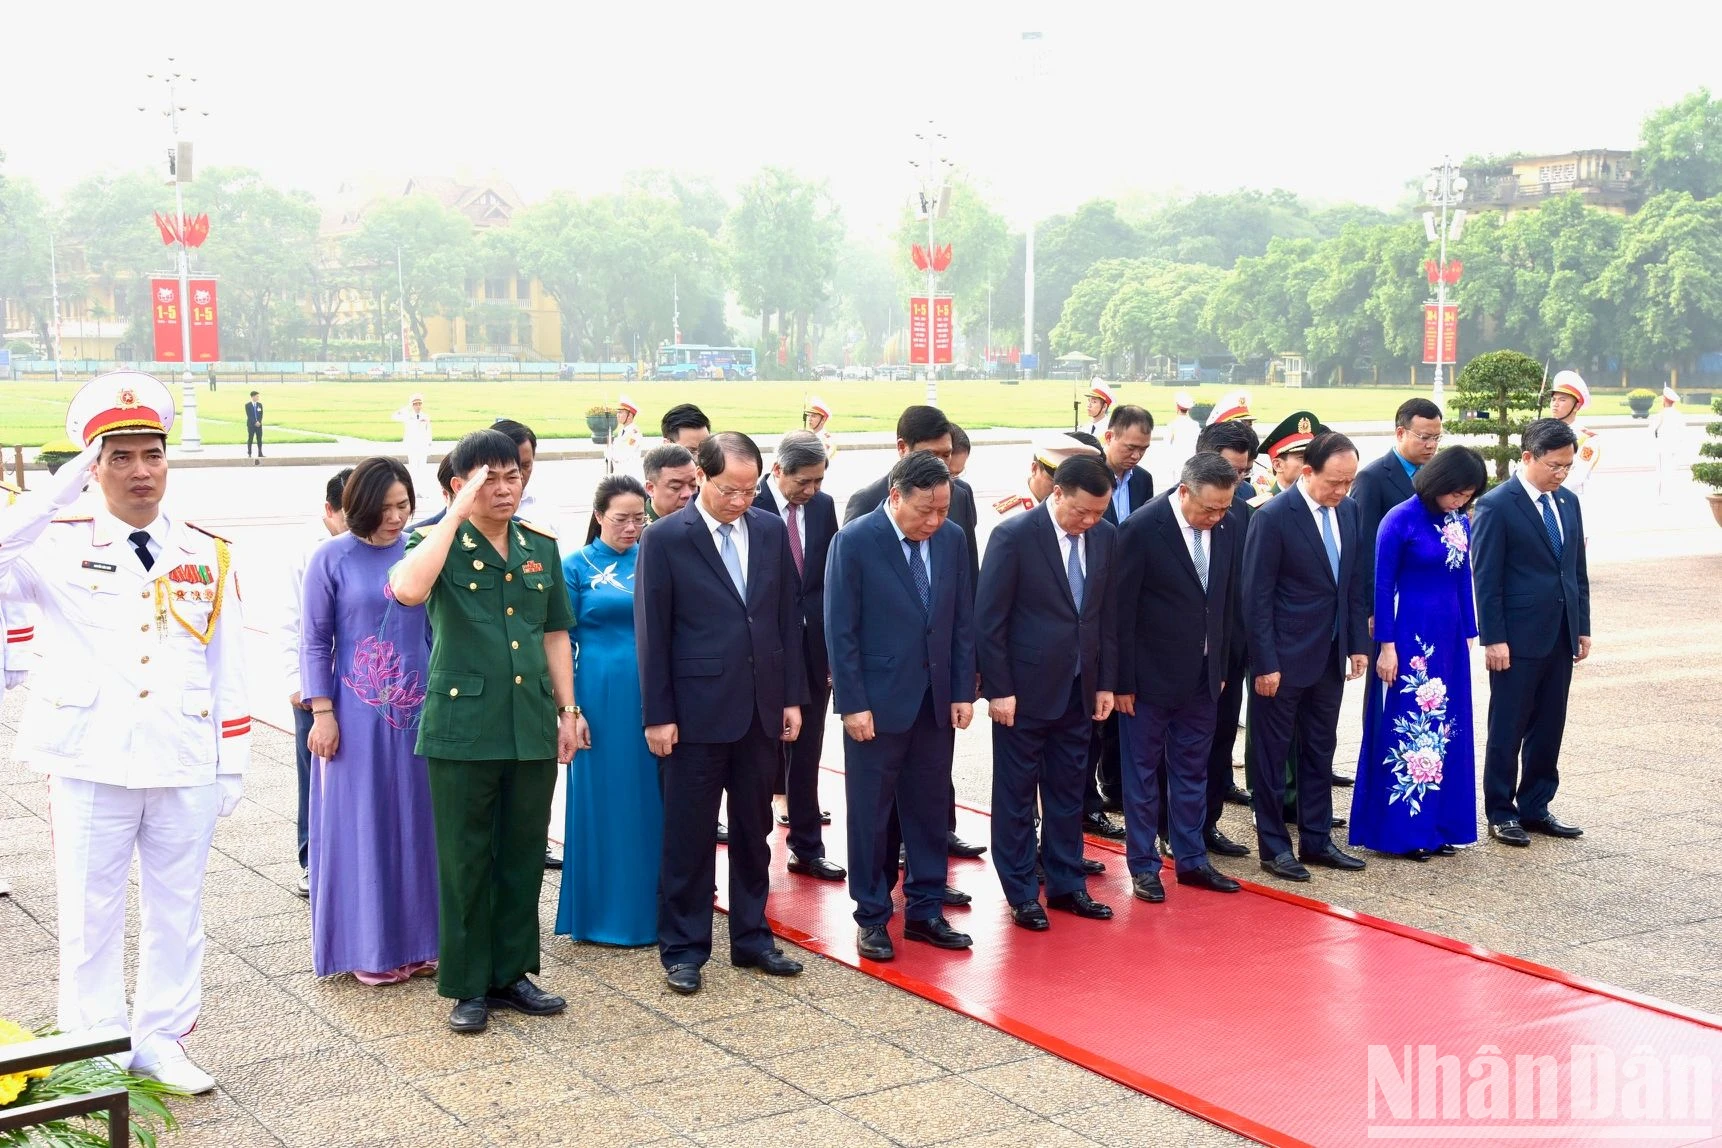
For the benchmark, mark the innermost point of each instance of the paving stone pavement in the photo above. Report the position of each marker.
(836, 1057)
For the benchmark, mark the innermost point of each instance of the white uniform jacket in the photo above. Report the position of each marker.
(140, 677)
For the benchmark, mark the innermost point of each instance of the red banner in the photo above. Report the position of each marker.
(205, 327)
(942, 329)
(918, 337)
(1448, 326)
(165, 312)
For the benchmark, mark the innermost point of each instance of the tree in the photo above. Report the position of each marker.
(865, 291)
(1505, 388)
(1221, 229)
(24, 278)
(1262, 307)
(1665, 281)
(1682, 149)
(1158, 311)
(980, 252)
(783, 236)
(107, 218)
(1065, 247)
(436, 251)
(1078, 326)
(262, 243)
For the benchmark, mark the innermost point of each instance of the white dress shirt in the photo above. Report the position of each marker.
(1065, 542)
(738, 536)
(1537, 503)
(294, 607)
(1315, 509)
(1189, 542)
(787, 510)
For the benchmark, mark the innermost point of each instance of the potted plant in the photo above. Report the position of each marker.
(1639, 401)
(1710, 473)
(1200, 412)
(56, 454)
(1504, 387)
(601, 420)
(146, 1098)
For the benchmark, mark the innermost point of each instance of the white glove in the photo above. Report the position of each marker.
(67, 484)
(232, 789)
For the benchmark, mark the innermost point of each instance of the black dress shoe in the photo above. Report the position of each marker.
(1340, 781)
(772, 962)
(1147, 887)
(551, 861)
(1208, 877)
(874, 943)
(825, 817)
(1338, 822)
(1551, 826)
(524, 996)
(1445, 850)
(722, 834)
(1238, 795)
(818, 867)
(1163, 846)
(1509, 833)
(955, 897)
(1102, 826)
(1030, 916)
(1419, 854)
(1285, 867)
(1217, 842)
(957, 847)
(1090, 866)
(685, 979)
(783, 819)
(936, 931)
(1332, 857)
(469, 1015)
(1081, 904)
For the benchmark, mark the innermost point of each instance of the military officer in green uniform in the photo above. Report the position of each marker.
(499, 714)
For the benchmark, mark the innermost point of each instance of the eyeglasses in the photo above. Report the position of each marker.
(624, 520)
(1425, 439)
(1556, 467)
(731, 493)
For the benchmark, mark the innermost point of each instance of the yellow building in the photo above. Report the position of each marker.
(91, 316)
(1608, 180)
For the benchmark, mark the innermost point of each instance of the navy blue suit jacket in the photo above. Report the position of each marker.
(870, 497)
(885, 653)
(1291, 602)
(819, 527)
(1522, 590)
(1141, 485)
(1379, 487)
(710, 662)
(1165, 619)
(1030, 632)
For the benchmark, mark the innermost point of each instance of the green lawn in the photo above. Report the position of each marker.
(33, 413)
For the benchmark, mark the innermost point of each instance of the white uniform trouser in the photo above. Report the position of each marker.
(97, 828)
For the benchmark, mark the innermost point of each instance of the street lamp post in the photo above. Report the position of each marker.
(1445, 190)
(1036, 65)
(933, 193)
(190, 440)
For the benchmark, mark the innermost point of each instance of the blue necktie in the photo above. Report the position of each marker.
(732, 558)
(1073, 571)
(140, 543)
(1199, 557)
(1329, 542)
(1550, 524)
(918, 573)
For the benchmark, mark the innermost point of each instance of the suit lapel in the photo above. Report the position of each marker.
(758, 573)
(899, 560)
(1306, 525)
(1528, 504)
(1045, 534)
(704, 543)
(1169, 524)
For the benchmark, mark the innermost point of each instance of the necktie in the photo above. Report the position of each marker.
(1329, 542)
(1200, 557)
(795, 538)
(732, 558)
(918, 573)
(1550, 524)
(1073, 571)
(140, 543)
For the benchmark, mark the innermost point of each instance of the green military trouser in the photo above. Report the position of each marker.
(492, 822)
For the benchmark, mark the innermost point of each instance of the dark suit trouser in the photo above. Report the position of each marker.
(1310, 715)
(904, 777)
(798, 780)
(1166, 780)
(492, 820)
(695, 777)
(253, 434)
(1527, 717)
(1051, 756)
(1226, 715)
(1105, 757)
(302, 721)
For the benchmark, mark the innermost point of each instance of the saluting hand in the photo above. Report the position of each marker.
(460, 507)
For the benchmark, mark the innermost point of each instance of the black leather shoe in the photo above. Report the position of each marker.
(551, 861)
(957, 847)
(874, 943)
(1550, 826)
(936, 931)
(1217, 842)
(722, 834)
(1030, 916)
(1090, 866)
(1445, 850)
(1147, 887)
(772, 963)
(1238, 795)
(817, 867)
(825, 817)
(1208, 877)
(685, 979)
(1101, 825)
(1338, 822)
(955, 897)
(1333, 857)
(1285, 867)
(1163, 846)
(1340, 781)
(469, 1015)
(783, 819)
(524, 996)
(1509, 833)
(1419, 854)
(1081, 904)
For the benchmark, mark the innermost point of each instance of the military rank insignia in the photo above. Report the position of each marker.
(532, 568)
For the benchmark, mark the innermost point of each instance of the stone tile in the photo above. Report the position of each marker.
(373, 1117)
(220, 1048)
(370, 1012)
(481, 1094)
(292, 925)
(279, 958)
(933, 1111)
(270, 1088)
(831, 1072)
(807, 1126)
(726, 991)
(606, 1120)
(884, 1013)
(960, 1044)
(237, 1132)
(1039, 1133)
(1048, 1086)
(595, 1015)
(633, 1061)
(772, 1032)
(1141, 1122)
(692, 1104)
(437, 1052)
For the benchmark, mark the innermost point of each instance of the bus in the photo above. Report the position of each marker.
(699, 361)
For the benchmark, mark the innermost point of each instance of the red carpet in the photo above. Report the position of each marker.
(1257, 1011)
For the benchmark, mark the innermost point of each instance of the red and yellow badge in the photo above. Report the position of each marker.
(531, 567)
(201, 575)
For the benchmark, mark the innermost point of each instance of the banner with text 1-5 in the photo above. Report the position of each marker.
(919, 341)
(942, 329)
(164, 318)
(205, 326)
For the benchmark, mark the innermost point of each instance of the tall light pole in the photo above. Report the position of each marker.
(1032, 44)
(1444, 189)
(190, 440)
(934, 197)
(54, 286)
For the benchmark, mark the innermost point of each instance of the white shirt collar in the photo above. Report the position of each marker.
(783, 503)
(1178, 513)
(712, 523)
(1530, 489)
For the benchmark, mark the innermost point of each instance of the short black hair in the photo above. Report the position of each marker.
(253, 393)
(683, 416)
(1084, 472)
(366, 491)
(609, 487)
(1207, 468)
(799, 449)
(960, 443)
(1229, 435)
(919, 424)
(478, 448)
(445, 474)
(919, 470)
(717, 450)
(1325, 446)
(1451, 470)
(1545, 435)
(332, 489)
(1086, 439)
(518, 431)
(1415, 409)
(667, 457)
(1131, 415)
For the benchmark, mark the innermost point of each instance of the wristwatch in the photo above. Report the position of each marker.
(575, 710)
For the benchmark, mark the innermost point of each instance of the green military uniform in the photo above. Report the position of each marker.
(488, 730)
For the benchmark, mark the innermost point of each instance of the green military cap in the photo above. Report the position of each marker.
(1292, 434)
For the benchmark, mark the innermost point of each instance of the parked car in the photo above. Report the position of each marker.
(377, 373)
(334, 373)
(857, 372)
(825, 371)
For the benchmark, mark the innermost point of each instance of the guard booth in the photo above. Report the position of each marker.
(1289, 367)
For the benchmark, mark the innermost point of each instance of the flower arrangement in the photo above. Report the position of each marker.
(57, 453)
(1456, 538)
(79, 1078)
(1639, 401)
(599, 410)
(1417, 761)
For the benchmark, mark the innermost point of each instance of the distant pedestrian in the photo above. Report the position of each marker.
(1668, 427)
(212, 378)
(253, 427)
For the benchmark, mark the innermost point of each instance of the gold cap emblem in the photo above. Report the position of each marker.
(1303, 426)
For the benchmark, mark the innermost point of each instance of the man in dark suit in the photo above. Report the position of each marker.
(903, 689)
(1178, 615)
(1306, 613)
(254, 427)
(721, 683)
(792, 493)
(1386, 482)
(1533, 615)
(1048, 655)
(1236, 442)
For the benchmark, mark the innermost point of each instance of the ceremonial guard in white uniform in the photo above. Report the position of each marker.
(1099, 408)
(1181, 435)
(415, 433)
(1668, 428)
(18, 633)
(1568, 395)
(137, 714)
(1235, 407)
(622, 455)
(1049, 450)
(816, 416)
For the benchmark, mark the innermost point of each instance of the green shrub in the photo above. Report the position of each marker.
(1710, 473)
(1503, 387)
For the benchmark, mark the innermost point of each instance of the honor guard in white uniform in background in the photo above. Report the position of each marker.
(622, 455)
(1234, 406)
(1568, 396)
(137, 714)
(1050, 449)
(18, 634)
(1181, 435)
(1099, 408)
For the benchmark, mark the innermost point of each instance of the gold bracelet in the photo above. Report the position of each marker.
(575, 710)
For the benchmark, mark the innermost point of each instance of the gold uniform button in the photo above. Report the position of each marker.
(518, 679)
(144, 627)
(508, 577)
(145, 594)
(143, 693)
(472, 585)
(478, 564)
(205, 713)
(511, 645)
(454, 692)
(146, 659)
(509, 611)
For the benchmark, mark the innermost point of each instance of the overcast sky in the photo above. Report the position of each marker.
(1335, 100)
